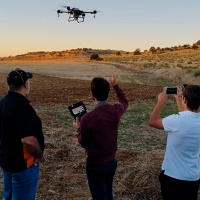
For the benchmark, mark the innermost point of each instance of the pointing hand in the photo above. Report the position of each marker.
(112, 80)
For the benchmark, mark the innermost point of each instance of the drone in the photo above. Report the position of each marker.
(75, 14)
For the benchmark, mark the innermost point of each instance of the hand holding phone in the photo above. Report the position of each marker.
(172, 90)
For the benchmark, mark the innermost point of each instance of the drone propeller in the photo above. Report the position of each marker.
(68, 7)
(61, 11)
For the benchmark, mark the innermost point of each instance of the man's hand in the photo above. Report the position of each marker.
(178, 98)
(76, 123)
(36, 161)
(179, 92)
(32, 146)
(162, 97)
(112, 80)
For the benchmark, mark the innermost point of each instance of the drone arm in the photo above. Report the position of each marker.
(94, 12)
(60, 11)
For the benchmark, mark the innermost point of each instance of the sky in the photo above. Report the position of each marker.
(30, 26)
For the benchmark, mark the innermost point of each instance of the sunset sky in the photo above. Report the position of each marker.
(29, 26)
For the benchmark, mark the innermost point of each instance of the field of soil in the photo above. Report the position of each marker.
(55, 86)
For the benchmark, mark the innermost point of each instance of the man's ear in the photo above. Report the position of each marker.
(185, 100)
(92, 96)
(26, 84)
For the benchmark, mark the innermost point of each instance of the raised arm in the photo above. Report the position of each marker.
(178, 98)
(119, 92)
(155, 120)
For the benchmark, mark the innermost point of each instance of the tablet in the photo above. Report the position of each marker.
(77, 109)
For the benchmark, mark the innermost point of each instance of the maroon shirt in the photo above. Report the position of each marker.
(99, 129)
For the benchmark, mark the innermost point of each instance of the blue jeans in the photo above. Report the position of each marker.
(21, 185)
(100, 179)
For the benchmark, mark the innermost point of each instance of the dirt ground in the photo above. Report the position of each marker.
(63, 171)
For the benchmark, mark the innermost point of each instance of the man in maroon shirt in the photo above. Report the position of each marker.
(97, 134)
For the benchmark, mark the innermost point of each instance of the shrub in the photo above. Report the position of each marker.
(166, 65)
(148, 65)
(137, 52)
(152, 50)
(195, 47)
(198, 42)
(196, 72)
(189, 71)
(118, 53)
(94, 56)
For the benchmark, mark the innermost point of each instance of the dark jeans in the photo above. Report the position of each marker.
(100, 179)
(174, 189)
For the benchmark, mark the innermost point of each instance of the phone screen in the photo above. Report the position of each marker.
(171, 90)
(77, 110)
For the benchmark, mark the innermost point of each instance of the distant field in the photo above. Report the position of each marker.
(87, 70)
(74, 70)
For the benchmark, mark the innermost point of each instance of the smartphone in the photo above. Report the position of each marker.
(171, 90)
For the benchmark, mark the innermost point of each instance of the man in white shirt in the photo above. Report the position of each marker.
(180, 174)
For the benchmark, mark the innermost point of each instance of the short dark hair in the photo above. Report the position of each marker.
(100, 88)
(192, 95)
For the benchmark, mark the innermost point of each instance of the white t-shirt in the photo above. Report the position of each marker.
(182, 156)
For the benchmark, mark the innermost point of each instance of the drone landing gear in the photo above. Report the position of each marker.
(72, 18)
(80, 18)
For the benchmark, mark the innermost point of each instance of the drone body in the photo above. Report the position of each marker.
(75, 14)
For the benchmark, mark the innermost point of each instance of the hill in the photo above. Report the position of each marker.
(85, 53)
